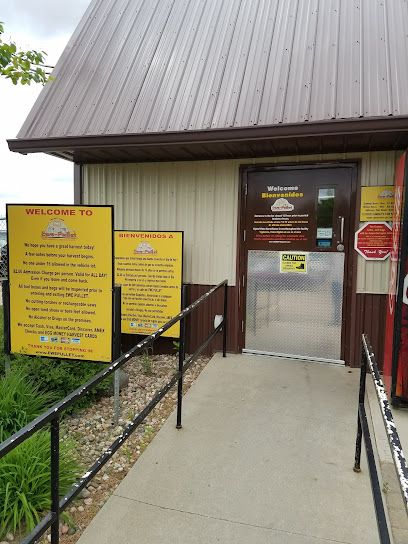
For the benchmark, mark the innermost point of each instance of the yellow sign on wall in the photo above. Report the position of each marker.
(377, 203)
(148, 266)
(293, 262)
(61, 280)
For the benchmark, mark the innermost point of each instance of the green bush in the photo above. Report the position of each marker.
(62, 377)
(25, 481)
(25, 471)
(20, 402)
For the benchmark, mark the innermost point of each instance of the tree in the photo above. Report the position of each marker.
(22, 66)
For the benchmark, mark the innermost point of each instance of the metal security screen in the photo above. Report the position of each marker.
(297, 312)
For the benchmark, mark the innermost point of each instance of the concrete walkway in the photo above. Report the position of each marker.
(265, 456)
(397, 514)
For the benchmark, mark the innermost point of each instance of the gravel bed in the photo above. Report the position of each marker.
(94, 431)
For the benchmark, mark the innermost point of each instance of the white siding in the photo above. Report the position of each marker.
(201, 198)
(377, 169)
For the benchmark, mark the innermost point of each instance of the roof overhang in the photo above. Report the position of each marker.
(333, 136)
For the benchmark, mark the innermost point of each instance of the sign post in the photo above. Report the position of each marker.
(61, 281)
(373, 241)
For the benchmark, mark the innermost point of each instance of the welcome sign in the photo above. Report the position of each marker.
(149, 268)
(61, 280)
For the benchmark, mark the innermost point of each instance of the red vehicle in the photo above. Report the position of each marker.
(396, 334)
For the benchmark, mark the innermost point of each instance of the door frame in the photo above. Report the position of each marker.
(350, 267)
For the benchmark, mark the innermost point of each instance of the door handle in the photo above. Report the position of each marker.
(341, 229)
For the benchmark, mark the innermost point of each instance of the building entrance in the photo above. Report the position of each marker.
(296, 231)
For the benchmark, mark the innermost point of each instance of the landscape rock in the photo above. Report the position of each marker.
(84, 493)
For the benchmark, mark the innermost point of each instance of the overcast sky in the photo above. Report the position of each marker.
(43, 25)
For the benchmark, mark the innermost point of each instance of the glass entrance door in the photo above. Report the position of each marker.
(296, 226)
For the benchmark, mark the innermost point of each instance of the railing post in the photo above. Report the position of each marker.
(225, 321)
(182, 353)
(5, 287)
(116, 348)
(54, 479)
(361, 398)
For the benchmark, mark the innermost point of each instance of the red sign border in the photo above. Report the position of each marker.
(356, 240)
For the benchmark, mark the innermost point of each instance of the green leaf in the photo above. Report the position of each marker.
(21, 66)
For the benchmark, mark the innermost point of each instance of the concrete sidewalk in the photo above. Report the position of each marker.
(265, 455)
(397, 514)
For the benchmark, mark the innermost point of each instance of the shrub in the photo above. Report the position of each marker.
(146, 362)
(25, 471)
(20, 402)
(62, 377)
(25, 481)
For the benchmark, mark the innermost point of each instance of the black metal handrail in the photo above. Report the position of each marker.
(52, 415)
(368, 362)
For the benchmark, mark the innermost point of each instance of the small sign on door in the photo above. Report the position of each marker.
(293, 262)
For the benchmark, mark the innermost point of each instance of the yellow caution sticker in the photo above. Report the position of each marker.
(293, 262)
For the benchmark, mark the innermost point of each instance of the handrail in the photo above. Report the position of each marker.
(368, 362)
(52, 415)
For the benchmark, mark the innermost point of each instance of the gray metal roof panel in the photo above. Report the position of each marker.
(137, 66)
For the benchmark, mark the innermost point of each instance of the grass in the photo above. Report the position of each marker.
(25, 481)
(30, 387)
(1, 333)
(20, 402)
(62, 377)
(146, 362)
(25, 471)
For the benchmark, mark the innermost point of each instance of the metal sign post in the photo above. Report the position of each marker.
(5, 293)
(117, 291)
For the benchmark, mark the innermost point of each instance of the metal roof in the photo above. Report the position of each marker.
(168, 66)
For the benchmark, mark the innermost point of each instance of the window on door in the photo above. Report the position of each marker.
(324, 217)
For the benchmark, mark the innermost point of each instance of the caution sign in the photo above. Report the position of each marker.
(148, 266)
(293, 262)
(61, 280)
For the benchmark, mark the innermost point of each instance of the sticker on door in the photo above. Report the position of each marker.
(293, 262)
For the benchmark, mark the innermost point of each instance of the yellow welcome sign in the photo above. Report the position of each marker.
(149, 268)
(61, 280)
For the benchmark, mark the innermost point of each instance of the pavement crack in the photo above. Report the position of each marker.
(235, 522)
